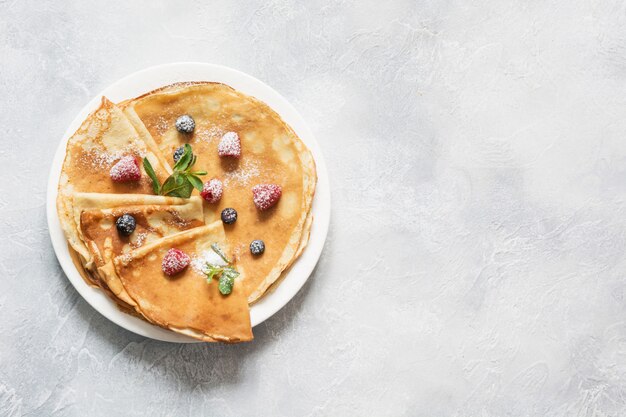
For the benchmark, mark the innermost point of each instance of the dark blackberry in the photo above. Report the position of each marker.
(229, 215)
(178, 153)
(125, 224)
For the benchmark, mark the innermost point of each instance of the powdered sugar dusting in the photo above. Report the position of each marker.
(199, 261)
(161, 125)
(244, 174)
(139, 239)
(208, 134)
(125, 258)
(176, 220)
(100, 158)
(242, 247)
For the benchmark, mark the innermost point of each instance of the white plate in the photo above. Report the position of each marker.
(149, 79)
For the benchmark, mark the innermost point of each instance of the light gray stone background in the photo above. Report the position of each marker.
(475, 261)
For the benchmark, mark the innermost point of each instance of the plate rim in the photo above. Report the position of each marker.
(297, 274)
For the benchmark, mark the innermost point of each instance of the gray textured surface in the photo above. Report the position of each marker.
(475, 262)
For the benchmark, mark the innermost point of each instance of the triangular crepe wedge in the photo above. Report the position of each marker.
(152, 223)
(86, 201)
(102, 140)
(271, 153)
(186, 303)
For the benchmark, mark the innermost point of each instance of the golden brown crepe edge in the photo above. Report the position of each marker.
(297, 244)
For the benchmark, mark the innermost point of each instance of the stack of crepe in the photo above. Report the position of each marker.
(128, 269)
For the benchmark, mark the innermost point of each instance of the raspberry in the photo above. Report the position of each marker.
(212, 190)
(126, 169)
(174, 261)
(266, 195)
(229, 145)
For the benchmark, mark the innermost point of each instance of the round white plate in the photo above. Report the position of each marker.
(149, 79)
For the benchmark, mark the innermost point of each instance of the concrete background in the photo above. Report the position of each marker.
(475, 262)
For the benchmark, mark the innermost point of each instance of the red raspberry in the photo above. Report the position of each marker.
(126, 169)
(266, 195)
(174, 261)
(212, 190)
(229, 145)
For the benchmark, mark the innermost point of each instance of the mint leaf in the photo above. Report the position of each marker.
(212, 270)
(195, 181)
(170, 184)
(156, 187)
(225, 284)
(177, 185)
(227, 274)
(221, 254)
(182, 182)
(183, 162)
(231, 272)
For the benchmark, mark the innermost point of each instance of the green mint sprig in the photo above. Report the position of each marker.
(182, 182)
(227, 273)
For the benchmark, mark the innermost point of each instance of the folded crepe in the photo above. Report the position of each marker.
(271, 153)
(129, 269)
(102, 140)
(152, 223)
(186, 303)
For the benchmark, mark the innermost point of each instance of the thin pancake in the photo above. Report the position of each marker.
(271, 153)
(103, 138)
(186, 303)
(152, 223)
(93, 279)
(80, 202)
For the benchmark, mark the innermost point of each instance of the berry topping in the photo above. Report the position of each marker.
(185, 124)
(212, 190)
(257, 247)
(229, 145)
(229, 215)
(126, 169)
(178, 153)
(174, 261)
(125, 224)
(266, 195)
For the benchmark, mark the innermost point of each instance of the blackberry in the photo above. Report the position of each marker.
(125, 224)
(178, 153)
(229, 215)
